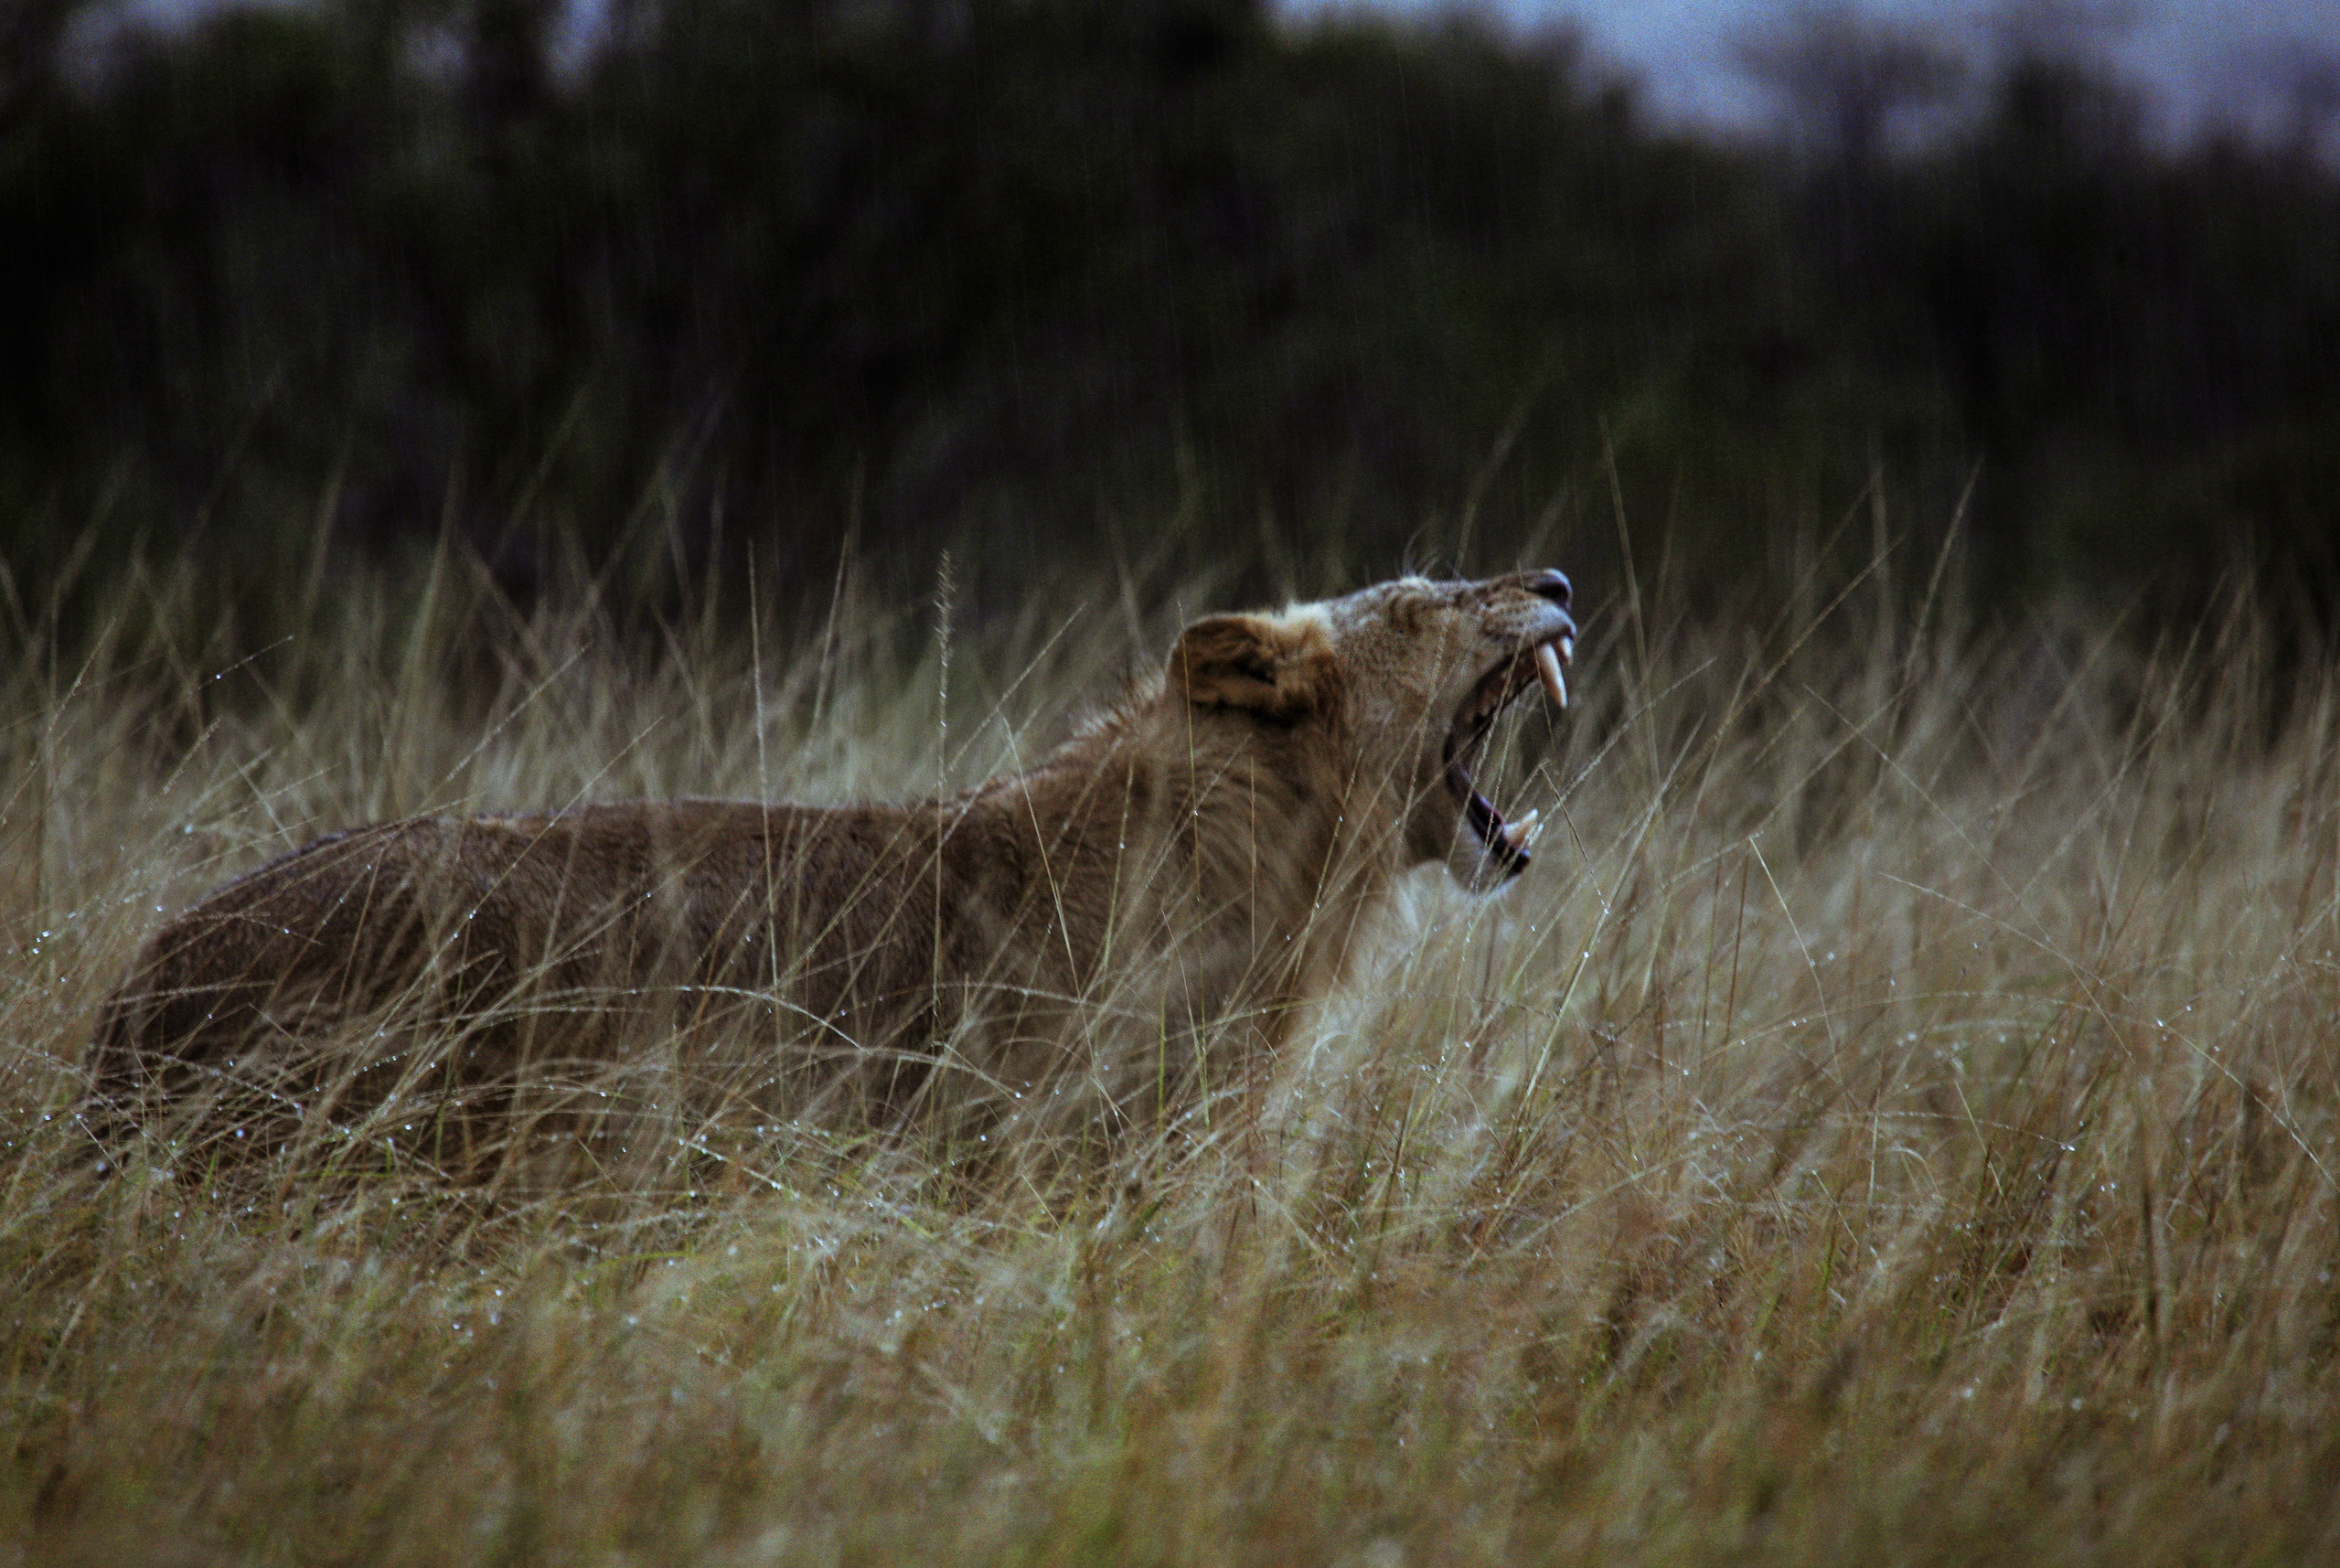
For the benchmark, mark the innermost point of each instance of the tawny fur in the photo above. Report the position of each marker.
(1185, 872)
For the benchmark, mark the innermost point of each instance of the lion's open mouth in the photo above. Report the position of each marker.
(1506, 842)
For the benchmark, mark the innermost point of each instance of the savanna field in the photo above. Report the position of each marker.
(1893, 1121)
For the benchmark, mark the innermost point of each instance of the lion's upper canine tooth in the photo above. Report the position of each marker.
(1547, 665)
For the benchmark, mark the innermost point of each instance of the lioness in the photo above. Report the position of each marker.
(1188, 867)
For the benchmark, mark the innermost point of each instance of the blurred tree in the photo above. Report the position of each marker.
(509, 64)
(1845, 74)
(31, 32)
(2307, 84)
(1079, 266)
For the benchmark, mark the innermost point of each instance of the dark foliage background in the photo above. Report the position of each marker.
(1063, 283)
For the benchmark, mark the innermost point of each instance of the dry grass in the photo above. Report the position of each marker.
(1894, 1120)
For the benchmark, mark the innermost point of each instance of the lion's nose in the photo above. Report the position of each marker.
(1552, 585)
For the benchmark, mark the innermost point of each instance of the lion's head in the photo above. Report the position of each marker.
(1406, 679)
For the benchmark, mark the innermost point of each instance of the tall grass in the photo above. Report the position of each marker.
(1894, 1120)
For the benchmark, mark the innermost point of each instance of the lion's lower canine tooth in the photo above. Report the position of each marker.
(1547, 665)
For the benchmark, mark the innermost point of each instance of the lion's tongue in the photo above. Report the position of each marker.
(1547, 666)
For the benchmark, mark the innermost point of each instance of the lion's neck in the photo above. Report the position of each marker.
(1243, 856)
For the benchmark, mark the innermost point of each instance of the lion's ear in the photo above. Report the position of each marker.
(1279, 669)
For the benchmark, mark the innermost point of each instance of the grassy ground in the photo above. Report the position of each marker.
(1894, 1120)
